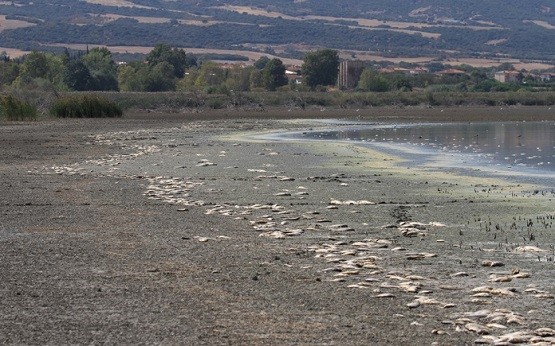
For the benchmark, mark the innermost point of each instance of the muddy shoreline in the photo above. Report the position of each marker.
(179, 229)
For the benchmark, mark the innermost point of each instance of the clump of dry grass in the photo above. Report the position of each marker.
(14, 109)
(85, 106)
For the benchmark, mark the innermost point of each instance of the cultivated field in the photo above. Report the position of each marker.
(110, 17)
(120, 3)
(404, 27)
(542, 24)
(7, 24)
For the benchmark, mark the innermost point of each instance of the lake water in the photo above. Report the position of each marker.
(513, 148)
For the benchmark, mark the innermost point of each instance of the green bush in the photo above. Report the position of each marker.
(216, 103)
(14, 109)
(85, 106)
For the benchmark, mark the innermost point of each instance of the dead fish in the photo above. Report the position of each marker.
(501, 278)
(459, 274)
(502, 292)
(521, 275)
(529, 248)
(448, 306)
(413, 305)
(488, 263)
(515, 338)
(477, 328)
(544, 332)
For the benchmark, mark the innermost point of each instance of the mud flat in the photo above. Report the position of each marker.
(189, 229)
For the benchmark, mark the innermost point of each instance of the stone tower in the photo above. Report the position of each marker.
(349, 73)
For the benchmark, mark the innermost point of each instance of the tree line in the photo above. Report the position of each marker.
(171, 69)
(163, 69)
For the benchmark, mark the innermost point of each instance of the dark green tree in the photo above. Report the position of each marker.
(35, 65)
(77, 76)
(102, 68)
(261, 62)
(191, 61)
(273, 75)
(506, 66)
(435, 67)
(321, 67)
(478, 76)
(9, 70)
(41, 71)
(161, 78)
(400, 82)
(173, 56)
(133, 76)
(371, 80)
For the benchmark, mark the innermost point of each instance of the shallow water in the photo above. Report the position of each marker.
(526, 148)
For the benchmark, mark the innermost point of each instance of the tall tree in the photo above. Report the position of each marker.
(9, 70)
(35, 65)
(41, 70)
(133, 76)
(261, 62)
(321, 67)
(210, 75)
(4, 56)
(102, 68)
(161, 78)
(77, 76)
(173, 56)
(371, 80)
(273, 74)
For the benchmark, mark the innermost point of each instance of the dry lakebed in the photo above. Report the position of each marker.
(206, 228)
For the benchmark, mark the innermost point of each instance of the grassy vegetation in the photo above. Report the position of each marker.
(176, 101)
(85, 106)
(112, 104)
(14, 109)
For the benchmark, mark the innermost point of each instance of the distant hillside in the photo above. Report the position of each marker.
(493, 28)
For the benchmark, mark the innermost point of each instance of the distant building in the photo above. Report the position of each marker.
(295, 79)
(418, 70)
(394, 70)
(231, 65)
(547, 77)
(293, 69)
(293, 74)
(404, 71)
(349, 73)
(451, 72)
(507, 76)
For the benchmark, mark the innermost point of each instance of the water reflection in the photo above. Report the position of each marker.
(515, 144)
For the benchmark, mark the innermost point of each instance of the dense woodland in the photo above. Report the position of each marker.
(68, 21)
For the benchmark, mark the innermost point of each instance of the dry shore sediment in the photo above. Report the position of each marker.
(189, 231)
